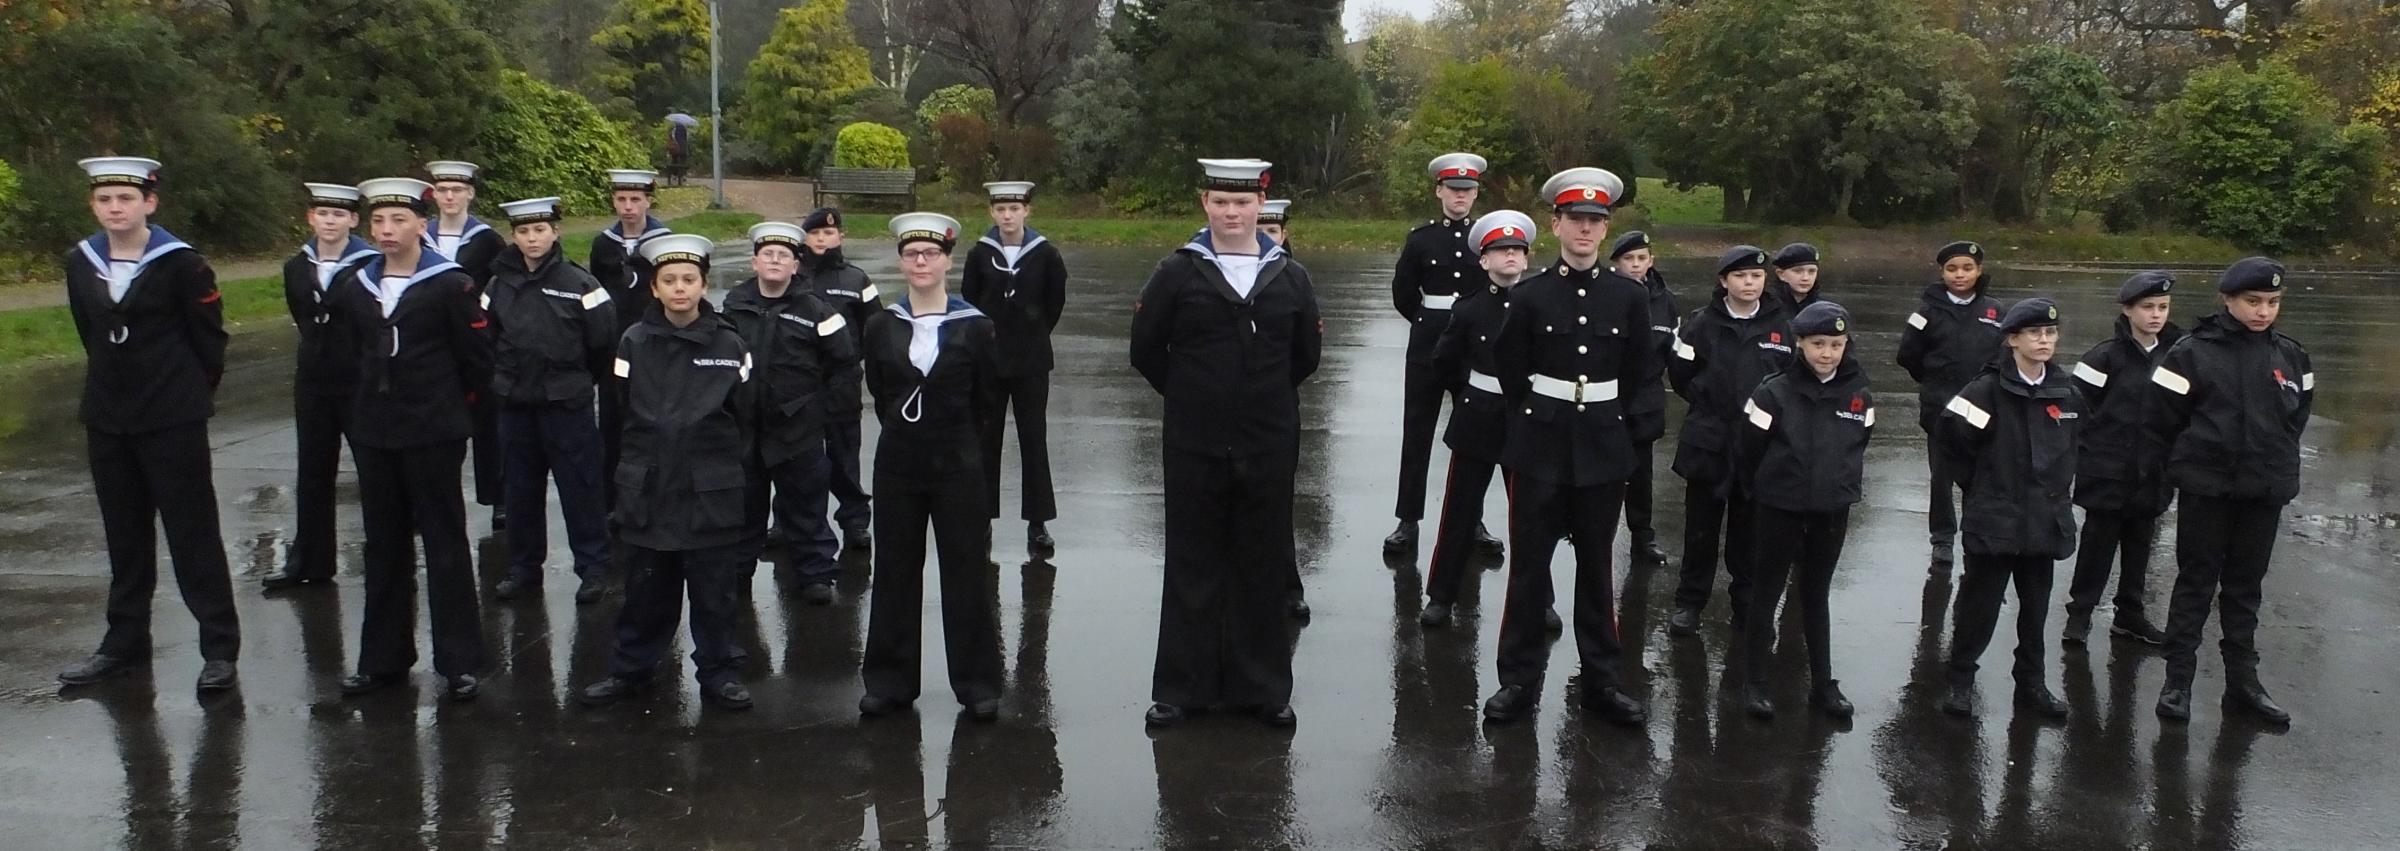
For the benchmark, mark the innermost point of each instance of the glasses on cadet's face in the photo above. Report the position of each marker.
(922, 255)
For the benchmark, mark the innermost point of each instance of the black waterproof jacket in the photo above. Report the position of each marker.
(682, 476)
(2012, 450)
(2234, 405)
(554, 329)
(1803, 442)
(1718, 360)
(797, 345)
(2120, 466)
(844, 288)
(1947, 344)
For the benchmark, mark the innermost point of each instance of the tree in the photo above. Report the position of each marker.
(2063, 108)
(1020, 49)
(545, 141)
(2260, 159)
(1250, 78)
(893, 54)
(810, 67)
(1468, 106)
(657, 54)
(961, 99)
(1096, 117)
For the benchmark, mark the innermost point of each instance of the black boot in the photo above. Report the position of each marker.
(2175, 702)
(2254, 700)
(1828, 697)
(97, 667)
(1038, 542)
(1684, 622)
(1756, 702)
(1488, 545)
(2078, 629)
(1403, 537)
(2137, 628)
(609, 691)
(1959, 700)
(2038, 699)
(1435, 614)
(1616, 707)
(1509, 704)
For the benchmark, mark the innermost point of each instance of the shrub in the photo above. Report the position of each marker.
(869, 145)
(543, 140)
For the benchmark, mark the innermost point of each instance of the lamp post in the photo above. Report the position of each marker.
(716, 113)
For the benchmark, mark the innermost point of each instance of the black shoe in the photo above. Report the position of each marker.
(1488, 545)
(1279, 716)
(1296, 605)
(1551, 622)
(499, 518)
(1434, 615)
(984, 711)
(730, 695)
(1509, 704)
(2041, 701)
(1828, 697)
(2078, 629)
(288, 581)
(358, 684)
(1038, 542)
(1162, 715)
(1615, 707)
(512, 588)
(216, 675)
(97, 667)
(1959, 700)
(877, 707)
(1941, 557)
(608, 691)
(589, 590)
(1647, 551)
(2254, 700)
(2139, 629)
(463, 688)
(817, 594)
(1684, 622)
(2175, 703)
(857, 537)
(1403, 537)
(1756, 702)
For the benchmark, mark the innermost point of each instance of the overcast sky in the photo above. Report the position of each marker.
(1355, 11)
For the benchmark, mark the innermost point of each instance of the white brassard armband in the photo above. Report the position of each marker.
(597, 297)
(1758, 416)
(624, 369)
(1917, 321)
(2091, 376)
(867, 293)
(1870, 417)
(1966, 410)
(1685, 351)
(830, 324)
(2168, 378)
(2308, 381)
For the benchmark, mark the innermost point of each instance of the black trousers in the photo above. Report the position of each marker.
(146, 481)
(2221, 550)
(656, 582)
(1223, 637)
(1805, 546)
(1704, 515)
(2108, 537)
(1639, 497)
(841, 448)
(320, 421)
(1941, 510)
(543, 443)
(409, 496)
(794, 493)
(1454, 541)
(1539, 514)
(1977, 612)
(953, 507)
(1420, 408)
(1029, 397)
(487, 453)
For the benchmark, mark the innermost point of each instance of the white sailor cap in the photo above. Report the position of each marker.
(1275, 212)
(406, 192)
(1457, 170)
(1020, 191)
(122, 171)
(334, 195)
(531, 210)
(1502, 229)
(925, 227)
(678, 248)
(1583, 190)
(1243, 175)
(453, 171)
(785, 234)
(632, 180)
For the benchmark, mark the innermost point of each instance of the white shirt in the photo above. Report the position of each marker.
(2036, 378)
(325, 270)
(1012, 252)
(1753, 309)
(1954, 299)
(120, 278)
(447, 243)
(389, 293)
(925, 340)
(1241, 270)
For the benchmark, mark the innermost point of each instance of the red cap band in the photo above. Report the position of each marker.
(1500, 233)
(1579, 195)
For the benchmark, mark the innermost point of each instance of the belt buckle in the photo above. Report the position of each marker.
(1579, 392)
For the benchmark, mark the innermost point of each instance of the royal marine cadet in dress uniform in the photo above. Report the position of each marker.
(456, 233)
(1019, 280)
(2237, 396)
(324, 381)
(1954, 332)
(618, 265)
(1226, 330)
(147, 309)
(424, 348)
(2120, 472)
(1575, 336)
(554, 334)
(1722, 352)
(682, 488)
(2010, 438)
(1633, 258)
(1436, 265)
(931, 365)
(798, 344)
(1479, 420)
(846, 289)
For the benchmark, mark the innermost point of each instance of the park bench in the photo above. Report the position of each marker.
(868, 181)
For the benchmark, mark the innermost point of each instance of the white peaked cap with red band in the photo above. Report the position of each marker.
(1583, 190)
(925, 227)
(120, 171)
(1457, 170)
(1502, 229)
(1243, 175)
(678, 248)
(397, 192)
(1275, 212)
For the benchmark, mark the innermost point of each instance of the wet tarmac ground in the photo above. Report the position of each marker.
(1389, 751)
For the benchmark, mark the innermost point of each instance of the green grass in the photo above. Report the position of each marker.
(714, 224)
(1657, 205)
(1163, 232)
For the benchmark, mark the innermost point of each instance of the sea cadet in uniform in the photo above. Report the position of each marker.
(1797, 267)
(1633, 258)
(2120, 472)
(1274, 220)
(324, 381)
(147, 309)
(1017, 278)
(454, 232)
(1721, 354)
(1436, 265)
(617, 263)
(798, 344)
(846, 289)
(1954, 332)
(1479, 420)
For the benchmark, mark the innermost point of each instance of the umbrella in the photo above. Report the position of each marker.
(682, 119)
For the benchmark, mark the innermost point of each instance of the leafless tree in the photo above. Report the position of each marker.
(1020, 49)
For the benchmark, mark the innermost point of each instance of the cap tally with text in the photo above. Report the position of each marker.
(678, 248)
(1821, 318)
(1457, 170)
(822, 218)
(136, 172)
(1629, 243)
(1795, 254)
(333, 195)
(1020, 191)
(1244, 175)
(1961, 248)
(1501, 229)
(1583, 190)
(632, 180)
(453, 171)
(1276, 212)
(784, 234)
(1741, 257)
(2251, 274)
(2034, 312)
(925, 227)
(407, 192)
(531, 211)
(2144, 285)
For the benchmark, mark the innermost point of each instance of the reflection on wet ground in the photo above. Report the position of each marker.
(1389, 752)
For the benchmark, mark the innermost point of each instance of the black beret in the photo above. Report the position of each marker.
(1631, 242)
(2251, 274)
(2144, 285)
(1741, 257)
(1821, 318)
(1961, 248)
(2034, 312)
(822, 217)
(1796, 254)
